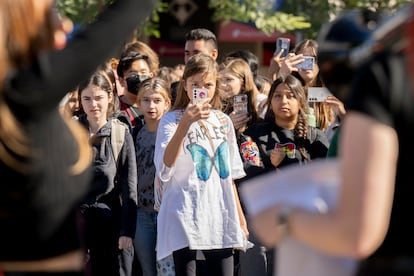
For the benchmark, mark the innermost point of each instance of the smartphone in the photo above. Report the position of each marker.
(307, 64)
(282, 43)
(199, 95)
(318, 94)
(240, 103)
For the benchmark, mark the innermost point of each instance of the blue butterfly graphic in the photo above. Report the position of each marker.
(204, 162)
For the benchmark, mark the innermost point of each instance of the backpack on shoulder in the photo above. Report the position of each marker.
(117, 137)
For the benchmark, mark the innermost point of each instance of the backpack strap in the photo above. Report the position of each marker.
(118, 129)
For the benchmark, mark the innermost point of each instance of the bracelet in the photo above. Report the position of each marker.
(283, 221)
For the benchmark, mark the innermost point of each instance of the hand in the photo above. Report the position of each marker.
(243, 225)
(275, 64)
(124, 242)
(239, 120)
(288, 65)
(265, 226)
(195, 112)
(277, 156)
(336, 105)
(262, 108)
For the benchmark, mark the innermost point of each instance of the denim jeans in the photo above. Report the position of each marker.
(145, 241)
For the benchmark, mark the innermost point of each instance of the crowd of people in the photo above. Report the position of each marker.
(119, 165)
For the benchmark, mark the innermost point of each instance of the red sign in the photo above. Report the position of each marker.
(240, 32)
(166, 49)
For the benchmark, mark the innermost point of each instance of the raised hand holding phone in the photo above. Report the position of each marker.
(200, 95)
(240, 103)
(282, 43)
(307, 63)
(318, 94)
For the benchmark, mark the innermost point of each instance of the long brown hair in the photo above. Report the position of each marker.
(323, 112)
(27, 29)
(101, 80)
(198, 64)
(241, 69)
(301, 127)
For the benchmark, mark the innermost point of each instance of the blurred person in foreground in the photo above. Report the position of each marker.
(45, 159)
(371, 219)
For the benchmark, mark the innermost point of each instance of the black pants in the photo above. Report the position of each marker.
(386, 266)
(218, 262)
(44, 274)
(101, 238)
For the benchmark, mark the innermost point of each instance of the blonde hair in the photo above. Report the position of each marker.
(157, 85)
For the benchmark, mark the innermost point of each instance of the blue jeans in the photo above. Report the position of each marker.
(145, 241)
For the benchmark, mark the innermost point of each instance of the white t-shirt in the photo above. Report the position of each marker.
(198, 208)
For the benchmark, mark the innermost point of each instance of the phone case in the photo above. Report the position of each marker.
(318, 94)
(282, 43)
(307, 64)
(199, 95)
(240, 103)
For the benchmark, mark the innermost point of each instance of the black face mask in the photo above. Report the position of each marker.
(134, 81)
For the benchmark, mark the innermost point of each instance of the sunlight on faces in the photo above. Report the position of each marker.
(95, 102)
(140, 67)
(201, 80)
(152, 105)
(193, 47)
(309, 75)
(231, 84)
(284, 103)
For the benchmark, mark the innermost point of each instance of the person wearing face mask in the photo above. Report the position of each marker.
(133, 68)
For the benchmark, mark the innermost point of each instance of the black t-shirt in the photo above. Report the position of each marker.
(269, 136)
(383, 90)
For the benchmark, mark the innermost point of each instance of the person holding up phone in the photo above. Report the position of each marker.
(283, 46)
(329, 113)
(372, 218)
(196, 155)
(237, 82)
(240, 97)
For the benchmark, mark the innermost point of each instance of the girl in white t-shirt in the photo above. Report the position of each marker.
(196, 154)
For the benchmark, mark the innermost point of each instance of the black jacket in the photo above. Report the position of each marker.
(38, 206)
(113, 182)
(268, 136)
